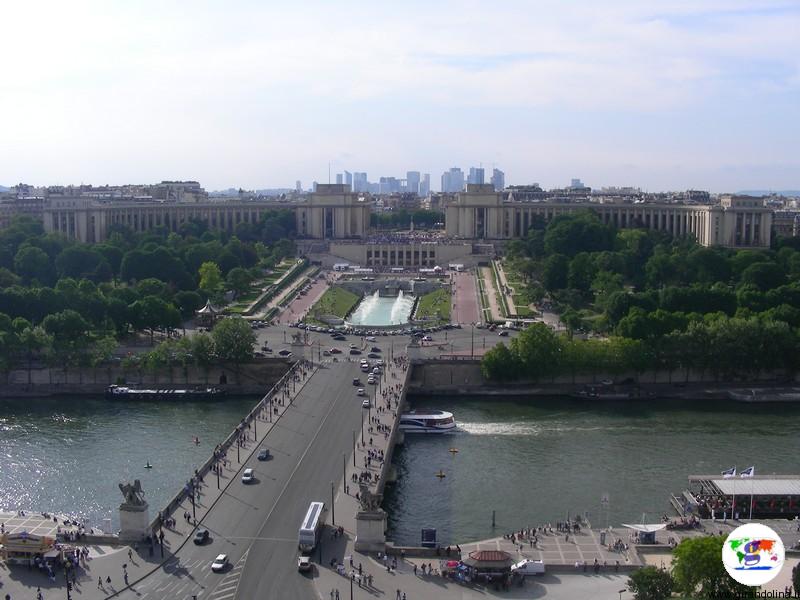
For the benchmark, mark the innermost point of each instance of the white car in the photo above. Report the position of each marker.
(427, 338)
(370, 338)
(528, 567)
(364, 367)
(379, 362)
(360, 392)
(376, 370)
(366, 403)
(248, 476)
(219, 563)
(371, 380)
(303, 563)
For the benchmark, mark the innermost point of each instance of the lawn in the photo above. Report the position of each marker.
(435, 305)
(335, 301)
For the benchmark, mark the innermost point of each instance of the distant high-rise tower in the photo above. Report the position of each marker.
(360, 183)
(425, 185)
(453, 180)
(412, 182)
(476, 175)
(498, 180)
(348, 179)
(576, 184)
(298, 187)
(339, 179)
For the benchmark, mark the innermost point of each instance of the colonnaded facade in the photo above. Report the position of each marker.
(333, 213)
(736, 222)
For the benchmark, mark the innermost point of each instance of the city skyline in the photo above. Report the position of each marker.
(675, 96)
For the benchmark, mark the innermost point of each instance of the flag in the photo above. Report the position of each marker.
(748, 472)
(729, 472)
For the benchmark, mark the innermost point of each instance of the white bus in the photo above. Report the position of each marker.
(311, 527)
(341, 266)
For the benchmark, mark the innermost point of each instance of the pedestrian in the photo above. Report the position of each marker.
(99, 583)
(415, 568)
(39, 594)
(130, 554)
(397, 597)
(108, 580)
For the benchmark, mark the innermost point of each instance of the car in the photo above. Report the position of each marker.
(528, 567)
(303, 563)
(355, 351)
(375, 349)
(365, 367)
(376, 370)
(353, 346)
(366, 403)
(503, 333)
(263, 454)
(325, 353)
(259, 355)
(427, 338)
(360, 392)
(379, 362)
(248, 476)
(335, 351)
(371, 380)
(220, 563)
(268, 350)
(373, 355)
(370, 338)
(200, 536)
(356, 381)
(285, 352)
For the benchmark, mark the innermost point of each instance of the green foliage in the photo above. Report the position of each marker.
(234, 340)
(336, 301)
(434, 305)
(238, 280)
(210, 278)
(33, 264)
(698, 570)
(651, 583)
(579, 232)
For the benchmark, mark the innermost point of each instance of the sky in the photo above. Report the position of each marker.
(662, 95)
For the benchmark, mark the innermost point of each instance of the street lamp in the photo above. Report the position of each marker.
(333, 508)
(344, 469)
(472, 339)
(354, 449)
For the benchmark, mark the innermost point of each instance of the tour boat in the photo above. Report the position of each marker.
(427, 421)
(121, 392)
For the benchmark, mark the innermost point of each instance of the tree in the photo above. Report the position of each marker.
(234, 340)
(82, 262)
(555, 272)
(239, 280)
(698, 571)
(763, 275)
(538, 351)
(499, 364)
(210, 278)
(32, 263)
(651, 583)
(34, 340)
(151, 312)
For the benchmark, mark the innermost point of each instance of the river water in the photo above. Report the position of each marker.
(535, 461)
(68, 455)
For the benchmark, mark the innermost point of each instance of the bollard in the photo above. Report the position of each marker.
(493, 515)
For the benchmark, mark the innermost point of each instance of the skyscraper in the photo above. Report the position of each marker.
(298, 187)
(412, 182)
(453, 180)
(339, 179)
(498, 180)
(360, 183)
(348, 179)
(476, 175)
(425, 185)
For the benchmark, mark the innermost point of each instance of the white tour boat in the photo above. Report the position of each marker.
(427, 421)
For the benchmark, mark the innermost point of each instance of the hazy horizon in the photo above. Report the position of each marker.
(683, 94)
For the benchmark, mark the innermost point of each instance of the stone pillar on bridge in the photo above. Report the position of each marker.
(134, 523)
(370, 522)
(298, 346)
(413, 350)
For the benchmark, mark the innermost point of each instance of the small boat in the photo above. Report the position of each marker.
(148, 465)
(427, 421)
(441, 475)
(121, 392)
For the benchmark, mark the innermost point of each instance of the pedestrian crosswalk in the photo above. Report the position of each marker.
(226, 589)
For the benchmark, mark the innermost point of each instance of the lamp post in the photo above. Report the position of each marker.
(472, 342)
(344, 468)
(354, 449)
(238, 445)
(217, 470)
(333, 508)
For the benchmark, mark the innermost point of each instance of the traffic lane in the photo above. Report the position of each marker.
(271, 569)
(242, 509)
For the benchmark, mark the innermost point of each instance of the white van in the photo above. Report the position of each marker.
(528, 567)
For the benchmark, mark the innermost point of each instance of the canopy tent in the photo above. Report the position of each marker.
(645, 528)
(208, 313)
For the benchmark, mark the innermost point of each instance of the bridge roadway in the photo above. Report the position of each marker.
(256, 525)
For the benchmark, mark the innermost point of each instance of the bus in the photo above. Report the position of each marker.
(341, 266)
(311, 527)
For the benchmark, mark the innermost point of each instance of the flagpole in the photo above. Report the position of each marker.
(751, 498)
(733, 506)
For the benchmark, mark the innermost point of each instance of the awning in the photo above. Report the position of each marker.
(645, 528)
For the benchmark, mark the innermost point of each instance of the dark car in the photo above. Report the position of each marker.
(356, 381)
(373, 355)
(355, 351)
(285, 352)
(263, 454)
(200, 536)
(375, 349)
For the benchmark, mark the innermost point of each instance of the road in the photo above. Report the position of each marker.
(256, 525)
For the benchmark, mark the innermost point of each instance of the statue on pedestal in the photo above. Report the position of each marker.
(369, 502)
(133, 494)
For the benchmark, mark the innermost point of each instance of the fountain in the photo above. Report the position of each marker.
(381, 312)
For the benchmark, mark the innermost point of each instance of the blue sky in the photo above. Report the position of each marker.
(668, 94)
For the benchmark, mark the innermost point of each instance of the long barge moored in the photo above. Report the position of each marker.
(718, 497)
(121, 392)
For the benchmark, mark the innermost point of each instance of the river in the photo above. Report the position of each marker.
(67, 455)
(536, 461)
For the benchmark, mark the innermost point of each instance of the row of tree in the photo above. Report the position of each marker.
(727, 348)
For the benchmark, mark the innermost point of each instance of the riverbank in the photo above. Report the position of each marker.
(437, 377)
